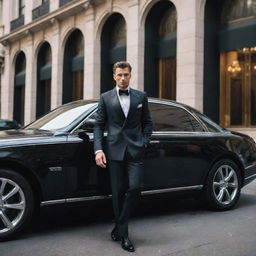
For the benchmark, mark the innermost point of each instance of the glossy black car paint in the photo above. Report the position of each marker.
(54, 158)
(60, 166)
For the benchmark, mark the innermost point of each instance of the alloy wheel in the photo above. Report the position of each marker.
(12, 204)
(225, 184)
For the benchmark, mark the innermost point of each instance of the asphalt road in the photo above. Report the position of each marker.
(166, 227)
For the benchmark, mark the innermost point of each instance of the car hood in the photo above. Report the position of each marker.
(22, 136)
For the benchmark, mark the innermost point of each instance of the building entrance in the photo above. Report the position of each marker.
(238, 88)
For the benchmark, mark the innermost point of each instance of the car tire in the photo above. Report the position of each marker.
(16, 203)
(223, 185)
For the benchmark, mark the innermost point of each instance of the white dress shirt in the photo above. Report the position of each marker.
(124, 100)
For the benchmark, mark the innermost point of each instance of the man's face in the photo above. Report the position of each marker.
(122, 77)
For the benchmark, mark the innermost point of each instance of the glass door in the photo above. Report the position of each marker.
(238, 88)
(167, 78)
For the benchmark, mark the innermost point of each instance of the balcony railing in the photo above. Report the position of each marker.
(40, 10)
(17, 22)
(62, 2)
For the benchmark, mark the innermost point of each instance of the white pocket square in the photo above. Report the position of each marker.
(139, 106)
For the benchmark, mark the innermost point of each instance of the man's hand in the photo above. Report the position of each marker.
(100, 159)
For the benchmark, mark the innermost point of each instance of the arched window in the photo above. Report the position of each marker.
(168, 23)
(160, 51)
(118, 33)
(238, 63)
(44, 75)
(238, 87)
(230, 62)
(73, 68)
(113, 48)
(19, 88)
(235, 10)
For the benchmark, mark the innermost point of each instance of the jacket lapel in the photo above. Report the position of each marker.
(116, 105)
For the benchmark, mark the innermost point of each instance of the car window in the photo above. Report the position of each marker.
(61, 117)
(211, 125)
(172, 118)
(64, 118)
(93, 115)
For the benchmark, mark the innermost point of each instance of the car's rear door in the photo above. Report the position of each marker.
(178, 154)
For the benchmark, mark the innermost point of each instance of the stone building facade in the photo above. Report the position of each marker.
(56, 51)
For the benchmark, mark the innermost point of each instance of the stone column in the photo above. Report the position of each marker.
(8, 15)
(135, 45)
(28, 11)
(30, 82)
(91, 65)
(54, 5)
(7, 84)
(57, 66)
(190, 41)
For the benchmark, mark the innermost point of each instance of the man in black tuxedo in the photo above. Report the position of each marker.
(123, 112)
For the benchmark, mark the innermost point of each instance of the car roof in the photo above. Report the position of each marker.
(150, 99)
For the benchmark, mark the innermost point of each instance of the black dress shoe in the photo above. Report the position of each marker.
(114, 235)
(127, 244)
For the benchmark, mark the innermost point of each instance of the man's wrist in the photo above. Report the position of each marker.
(97, 151)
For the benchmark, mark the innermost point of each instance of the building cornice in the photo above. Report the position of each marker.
(49, 19)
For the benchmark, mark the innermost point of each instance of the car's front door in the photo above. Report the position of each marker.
(84, 178)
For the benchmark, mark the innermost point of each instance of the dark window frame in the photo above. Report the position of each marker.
(41, 10)
(21, 7)
(197, 125)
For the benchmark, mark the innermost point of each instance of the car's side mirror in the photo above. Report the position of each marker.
(82, 135)
(88, 125)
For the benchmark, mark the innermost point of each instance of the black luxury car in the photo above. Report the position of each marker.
(51, 161)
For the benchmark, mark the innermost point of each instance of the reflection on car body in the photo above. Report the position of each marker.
(6, 124)
(51, 160)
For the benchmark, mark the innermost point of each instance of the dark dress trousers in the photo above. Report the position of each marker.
(126, 140)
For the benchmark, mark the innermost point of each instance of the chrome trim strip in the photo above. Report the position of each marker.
(247, 178)
(90, 198)
(174, 132)
(52, 202)
(154, 142)
(166, 190)
(181, 134)
(32, 144)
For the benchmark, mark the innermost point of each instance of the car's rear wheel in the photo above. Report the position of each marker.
(16, 203)
(223, 185)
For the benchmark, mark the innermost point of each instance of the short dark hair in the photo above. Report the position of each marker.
(122, 64)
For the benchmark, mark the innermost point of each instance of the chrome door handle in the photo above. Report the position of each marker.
(154, 142)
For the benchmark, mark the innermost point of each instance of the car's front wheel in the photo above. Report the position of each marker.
(223, 185)
(16, 203)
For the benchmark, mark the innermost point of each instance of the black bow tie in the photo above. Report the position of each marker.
(123, 92)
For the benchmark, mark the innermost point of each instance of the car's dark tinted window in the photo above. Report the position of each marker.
(171, 118)
(211, 125)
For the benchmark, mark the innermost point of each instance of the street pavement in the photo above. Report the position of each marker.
(162, 227)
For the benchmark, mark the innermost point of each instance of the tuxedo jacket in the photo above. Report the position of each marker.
(130, 133)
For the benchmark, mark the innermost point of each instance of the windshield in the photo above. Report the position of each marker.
(61, 117)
